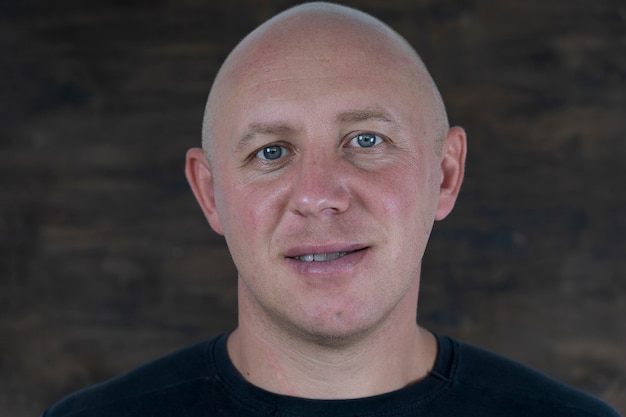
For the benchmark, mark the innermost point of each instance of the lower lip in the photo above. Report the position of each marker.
(337, 266)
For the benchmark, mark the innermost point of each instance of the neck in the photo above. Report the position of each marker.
(392, 356)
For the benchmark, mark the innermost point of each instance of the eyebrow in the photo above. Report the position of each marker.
(365, 114)
(284, 129)
(261, 129)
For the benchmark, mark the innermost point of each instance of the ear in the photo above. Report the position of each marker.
(452, 168)
(200, 178)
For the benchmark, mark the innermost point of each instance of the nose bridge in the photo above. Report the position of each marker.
(320, 186)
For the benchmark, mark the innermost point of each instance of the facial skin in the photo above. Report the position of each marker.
(327, 141)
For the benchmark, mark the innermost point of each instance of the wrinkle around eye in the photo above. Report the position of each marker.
(258, 159)
(385, 151)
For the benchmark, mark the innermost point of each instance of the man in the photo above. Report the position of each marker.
(326, 158)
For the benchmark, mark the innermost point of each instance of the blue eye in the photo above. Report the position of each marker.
(272, 152)
(365, 140)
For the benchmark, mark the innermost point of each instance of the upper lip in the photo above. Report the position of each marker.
(323, 249)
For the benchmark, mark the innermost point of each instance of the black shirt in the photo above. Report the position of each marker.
(202, 381)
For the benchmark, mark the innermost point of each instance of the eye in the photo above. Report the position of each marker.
(365, 140)
(272, 152)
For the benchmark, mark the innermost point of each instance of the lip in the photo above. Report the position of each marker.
(322, 249)
(354, 254)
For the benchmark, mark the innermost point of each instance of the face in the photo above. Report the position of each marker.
(325, 180)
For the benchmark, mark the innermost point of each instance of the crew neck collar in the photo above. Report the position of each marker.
(263, 402)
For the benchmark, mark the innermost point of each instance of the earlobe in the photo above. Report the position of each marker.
(200, 178)
(452, 169)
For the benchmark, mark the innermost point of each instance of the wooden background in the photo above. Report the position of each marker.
(106, 261)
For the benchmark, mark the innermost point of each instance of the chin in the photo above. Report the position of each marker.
(337, 335)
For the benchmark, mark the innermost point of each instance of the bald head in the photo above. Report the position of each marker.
(328, 34)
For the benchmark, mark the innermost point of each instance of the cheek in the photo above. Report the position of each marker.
(250, 211)
(242, 223)
(406, 192)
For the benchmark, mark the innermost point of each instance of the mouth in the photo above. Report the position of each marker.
(323, 257)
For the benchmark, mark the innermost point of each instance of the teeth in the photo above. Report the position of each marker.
(320, 257)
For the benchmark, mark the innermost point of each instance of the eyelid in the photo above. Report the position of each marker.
(353, 136)
(257, 154)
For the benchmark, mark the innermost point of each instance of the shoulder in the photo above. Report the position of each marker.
(498, 381)
(179, 372)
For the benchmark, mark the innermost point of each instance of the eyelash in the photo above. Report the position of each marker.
(285, 151)
(377, 139)
(260, 152)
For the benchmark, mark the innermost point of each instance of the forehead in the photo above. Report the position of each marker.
(311, 78)
(328, 66)
(315, 93)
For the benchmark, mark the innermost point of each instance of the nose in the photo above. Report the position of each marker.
(320, 186)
